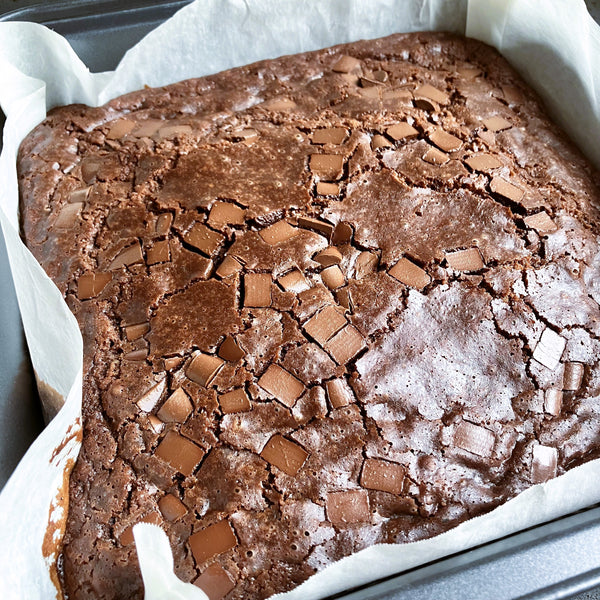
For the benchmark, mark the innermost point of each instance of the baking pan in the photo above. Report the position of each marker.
(556, 560)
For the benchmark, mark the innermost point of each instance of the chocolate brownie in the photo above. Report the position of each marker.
(330, 300)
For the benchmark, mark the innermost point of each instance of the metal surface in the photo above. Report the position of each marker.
(20, 414)
(100, 31)
(550, 562)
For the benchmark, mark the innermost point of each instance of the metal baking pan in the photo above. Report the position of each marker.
(553, 561)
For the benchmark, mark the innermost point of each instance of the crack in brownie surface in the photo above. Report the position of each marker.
(329, 300)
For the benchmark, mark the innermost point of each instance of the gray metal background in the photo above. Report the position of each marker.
(558, 560)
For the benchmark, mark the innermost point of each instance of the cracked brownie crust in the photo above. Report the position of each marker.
(329, 300)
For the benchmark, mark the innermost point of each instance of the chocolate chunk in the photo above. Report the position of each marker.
(345, 345)
(257, 290)
(163, 223)
(278, 232)
(312, 300)
(329, 256)
(90, 167)
(382, 475)
(333, 277)
(284, 454)
(171, 507)
(176, 409)
(133, 332)
(444, 140)
(475, 439)
(159, 253)
(402, 131)
(156, 424)
(483, 161)
(280, 104)
(465, 260)
(347, 64)
(339, 393)
(179, 452)
(212, 541)
(215, 582)
(369, 82)
(380, 141)
(120, 128)
(347, 508)
(506, 189)
(282, 385)
(91, 285)
(171, 362)
(204, 368)
(229, 266)
(235, 401)
(489, 137)
(204, 239)
(126, 538)
(325, 324)
(329, 135)
(316, 224)
(136, 355)
(68, 215)
(327, 189)
(512, 94)
(553, 401)
(428, 91)
(171, 131)
(148, 128)
(543, 463)
(342, 234)
(371, 93)
(79, 196)
(549, 349)
(244, 135)
(150, 398)
(408, 273)
(497, 124)
(130, 256)
(226, 213)
(541, 222)
(573, 376)
(230, 350)
(366, 263)
(327, 166)
(426, 104)
(468, 72)
(435, 157)
(294, 281)
(397, 97)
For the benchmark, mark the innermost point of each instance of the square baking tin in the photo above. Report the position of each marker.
(555, 560)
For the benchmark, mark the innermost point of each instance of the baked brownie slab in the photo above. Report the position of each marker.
(327, 301)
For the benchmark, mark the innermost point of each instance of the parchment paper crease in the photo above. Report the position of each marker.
(553, 43)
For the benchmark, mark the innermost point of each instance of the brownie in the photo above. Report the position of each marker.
(330, 300)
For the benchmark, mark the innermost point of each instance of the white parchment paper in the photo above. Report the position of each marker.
(554, 43)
